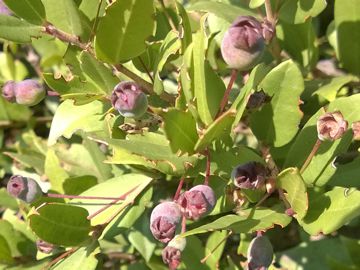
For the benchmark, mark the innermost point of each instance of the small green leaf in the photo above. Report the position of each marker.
(330, 89)
(346, 175)
(69, 118)
(277, 122)
(298, 11)
(14, 29)
(216, 131)
(134, 24)
(5, 252)
(32, 11)
(53, 170)
(331, 210)
(61, 224)
(180, 129)
(347, 21)
(291, 181)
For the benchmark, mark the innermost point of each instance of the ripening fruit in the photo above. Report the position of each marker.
(260, 253)
(243, 44)
(164, 220)
(331, 126)
(27, 92)
(24, 188)
(171, 254)
(129, 100)
(197, 202)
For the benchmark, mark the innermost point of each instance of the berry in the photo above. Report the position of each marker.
(8, 91)
(24, 188)
(243, 44)
(250, 175)
(331, 126)
(129, 100)
(164, 220)
(28, 92)
(171, 254)
(197, 202)
(260, 253)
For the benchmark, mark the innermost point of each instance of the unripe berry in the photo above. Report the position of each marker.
(172, 253)
(331, 126)
(197, 202)
(24, 188)
(129, 100)
(28, 92)
(250, 175)
(243, 44)
(4, 10)
(260, 253)
(164, 220)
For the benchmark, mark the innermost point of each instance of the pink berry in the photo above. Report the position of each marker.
(24, 188)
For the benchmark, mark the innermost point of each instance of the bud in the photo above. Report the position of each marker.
(172, 253)
(24, 188)
(44, 247)
(356, 130)
(197, 202)
(129, 100)
(163, 221)
(260, 253)
(4, 10)
(249, 175)
(243, 44)
(8, 91)
(331, 126)
(257, 99)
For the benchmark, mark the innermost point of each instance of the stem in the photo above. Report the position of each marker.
(225, 98)
(102, 209)
(183, 224)
(178, 190)
(146, 69)
(203, 260)
(62, 256)
(282, 197)
(208, 167)
(311, 155)
(269, 13)
(93, 30)
(171, 22)
(64, 196)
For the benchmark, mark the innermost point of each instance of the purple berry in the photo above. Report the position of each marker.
(243, 44)
(197, 202)
(8, 91)
(331, 126)
(24, 188)
(4, 10)
(44, 247)
(250, 175)
(129, 100)
(164, 220)
(260, 253)
(171, 254)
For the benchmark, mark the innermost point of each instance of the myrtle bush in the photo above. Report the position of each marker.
(179, 134)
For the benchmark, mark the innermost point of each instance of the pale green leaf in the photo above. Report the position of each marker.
(14, 29)
(32, 11)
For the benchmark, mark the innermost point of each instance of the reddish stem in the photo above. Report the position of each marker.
(183, 224)
(225, 98)
(208, 164)
(311, 155)
(64, 196)
(62, 256)
(178, 190)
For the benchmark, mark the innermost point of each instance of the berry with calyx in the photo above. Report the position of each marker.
(197, 202)
(251, 175)
(331, 126)
(129, 100)
(260, 253)
(27, 92)
(171, 254)
(243, 44)
(24, 188)
(164, 220)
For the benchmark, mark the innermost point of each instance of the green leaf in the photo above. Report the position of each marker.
(180, 129)
(81, 91)
(54, 171)
(82, 259)
(185, 27)
(5, 252)
(346, 175)
(11, 69)
(277, 122)
(69, 118)
(114, 187)
(13, 112)
(98, 73)
(256, 3)
(61, 224)
(298, 11)
(330, 89)
(212, 244)
(32, 11)
(193, 253)
(208, 86)
(30, 160)
(291, 181)
(6, 200)
(331, 210)
(170, 46)
(299, 40)
(14, 29)
(222, 10)
(219, 129)
(247, 221)
(347, 20)
(77, 185)
(134, 24)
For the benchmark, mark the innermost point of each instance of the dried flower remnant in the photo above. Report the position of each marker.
(251, 175)
(331, 126)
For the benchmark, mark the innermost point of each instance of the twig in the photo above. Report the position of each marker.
(311, 155)
(146, 69)
(208, 167)
(269, 13)
(225, 98)
(62, 256)
(203, 260)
